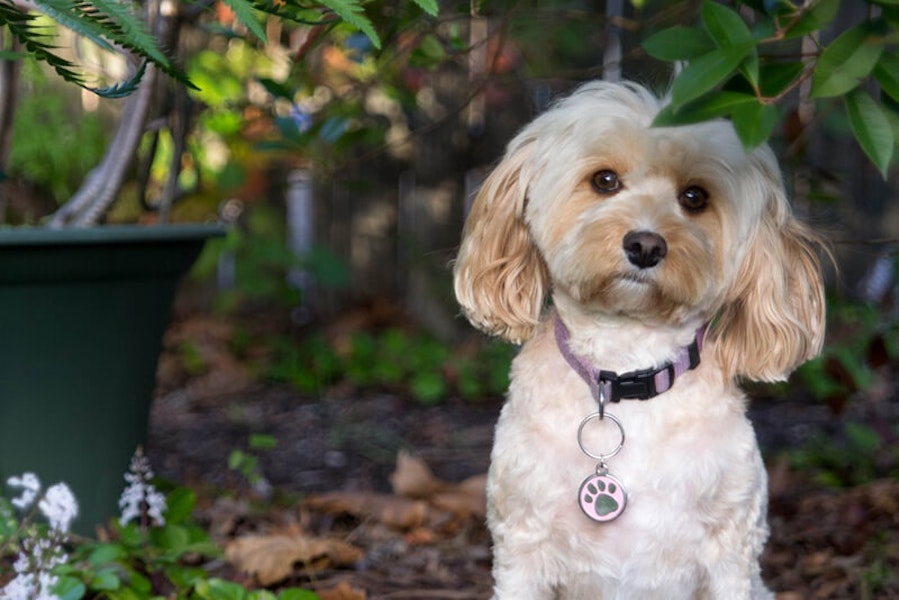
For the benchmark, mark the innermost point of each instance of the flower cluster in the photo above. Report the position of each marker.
(40, 553)
(140, 500)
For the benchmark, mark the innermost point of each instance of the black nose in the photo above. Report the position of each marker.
(644, 249)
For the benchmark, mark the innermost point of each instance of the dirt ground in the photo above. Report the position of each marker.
(330, 477)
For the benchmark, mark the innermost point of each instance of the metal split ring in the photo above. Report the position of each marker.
(580, 435)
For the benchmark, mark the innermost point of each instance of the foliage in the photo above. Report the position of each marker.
(856, 455)
(111, 24)
(744, 68)
(54, 144)
(861, 338)
(263, 260)
(246, 462)
(394, 359)
(138, 560)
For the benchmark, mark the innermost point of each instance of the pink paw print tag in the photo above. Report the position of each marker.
(601, 497)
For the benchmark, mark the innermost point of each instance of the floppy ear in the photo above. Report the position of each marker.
(500, 279)
(774, 318)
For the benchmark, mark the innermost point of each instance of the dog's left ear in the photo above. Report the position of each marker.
(773, 320)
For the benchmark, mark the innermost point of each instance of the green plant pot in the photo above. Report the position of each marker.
(82, 315)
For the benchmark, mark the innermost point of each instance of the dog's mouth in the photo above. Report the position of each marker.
(638, 278)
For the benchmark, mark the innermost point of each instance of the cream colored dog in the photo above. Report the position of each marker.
(624, 466)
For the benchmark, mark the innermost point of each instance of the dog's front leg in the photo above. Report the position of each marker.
(517, 575)
(521, 565)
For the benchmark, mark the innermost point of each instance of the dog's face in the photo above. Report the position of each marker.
(638, 221)
(664, 225)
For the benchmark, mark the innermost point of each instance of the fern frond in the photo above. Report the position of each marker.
(112, 22)
(243, 10)
(290, 11)
(352, 13)
(33, 38)
(124, 88)
(67, 14)
(429, 6)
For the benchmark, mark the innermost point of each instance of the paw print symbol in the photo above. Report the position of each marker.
(602, 498)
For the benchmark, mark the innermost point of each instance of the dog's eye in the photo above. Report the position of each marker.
(694, 199)
(606, 182)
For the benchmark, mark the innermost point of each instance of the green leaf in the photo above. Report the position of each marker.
(754, 123)
(219, 589)
(180, 504)
(724, 25)
(774, 78)
(819, 15)
(706, 72)
(749, 68)
(864, 437)
(105, 580)
(353, 14)
(872, 129)
(429, 6)
(244, 12)
(678, 43)
(886, 72)
(710, 106)
(846, 61)
(297, 594)
(106, 553)
(69, 588)
(171, 538)
(262, 441)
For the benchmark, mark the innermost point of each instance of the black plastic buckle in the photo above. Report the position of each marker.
(635, 385)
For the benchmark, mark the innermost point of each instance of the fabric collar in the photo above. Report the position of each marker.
(608, 386)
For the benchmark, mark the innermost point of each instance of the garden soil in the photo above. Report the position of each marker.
(370, 495)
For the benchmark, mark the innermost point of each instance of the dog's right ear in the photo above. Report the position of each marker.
(500, 278)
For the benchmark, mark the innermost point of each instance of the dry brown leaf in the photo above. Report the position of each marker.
(272, 558)
(468, 499)
(412, 477)
(341, 591)
(393, 511)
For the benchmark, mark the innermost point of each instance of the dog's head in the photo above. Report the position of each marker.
(662, 224)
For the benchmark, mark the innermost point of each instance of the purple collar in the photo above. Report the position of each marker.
(608, 386)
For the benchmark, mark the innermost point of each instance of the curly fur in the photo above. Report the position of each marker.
(695, 522)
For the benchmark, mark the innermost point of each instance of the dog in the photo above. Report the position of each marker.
(646, 270)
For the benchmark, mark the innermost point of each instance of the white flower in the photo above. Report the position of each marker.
(34, 579)
(59, 506)
(21, 587)
(30, 485)
(141, 496)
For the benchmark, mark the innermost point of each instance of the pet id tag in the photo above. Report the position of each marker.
(601, 496)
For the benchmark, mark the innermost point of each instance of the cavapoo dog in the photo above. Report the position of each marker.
(624, 466)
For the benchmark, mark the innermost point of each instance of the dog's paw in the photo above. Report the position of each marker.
(602, 498)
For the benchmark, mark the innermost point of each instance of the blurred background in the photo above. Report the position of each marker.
(321, 336)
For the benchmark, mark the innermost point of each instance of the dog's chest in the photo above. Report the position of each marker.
(682, 472)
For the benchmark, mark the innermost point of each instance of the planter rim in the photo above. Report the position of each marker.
(21, 236)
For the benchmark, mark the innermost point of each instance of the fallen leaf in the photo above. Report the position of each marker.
(342, 591)
(393, 511)
(413, 479)
(273, 558)
(468, 499)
